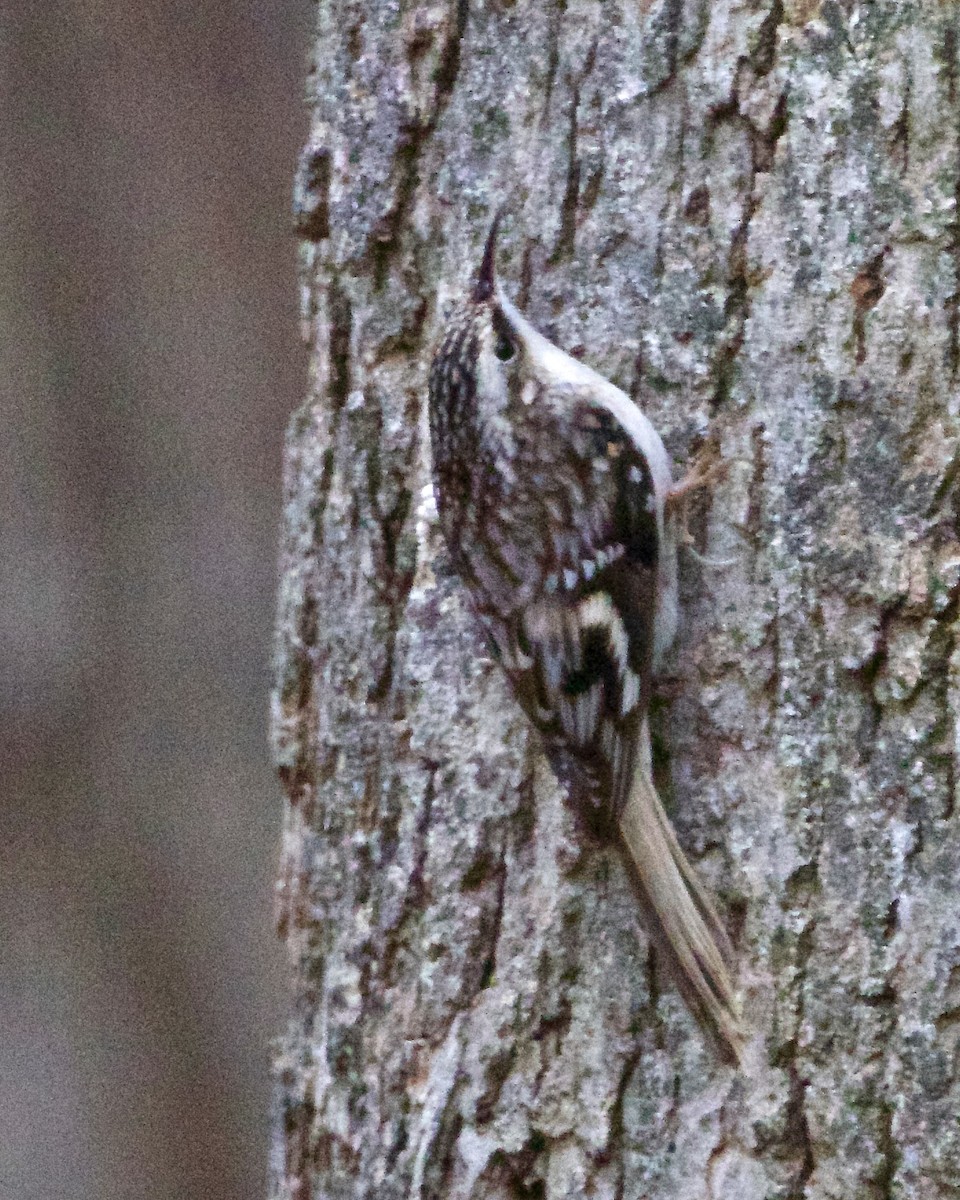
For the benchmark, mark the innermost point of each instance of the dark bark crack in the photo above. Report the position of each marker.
(614, 1147)
(415, 895)
(765, 51)
(297, 701)
(412, 140)
(341, 332)
(900, 134)
(952, 68)
(798, 1135)
(492, 938)
(395, 548)
(311, 194)
(553, 56)
(867, 289)
(763, 143)
(571, 197)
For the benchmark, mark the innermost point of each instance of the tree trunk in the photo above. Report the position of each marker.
(744, 214)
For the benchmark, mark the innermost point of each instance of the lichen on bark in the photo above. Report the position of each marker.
(745, 214)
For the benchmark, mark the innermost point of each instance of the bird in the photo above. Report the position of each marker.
(557, 504)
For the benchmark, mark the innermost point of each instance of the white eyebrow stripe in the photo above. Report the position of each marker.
(569, 370)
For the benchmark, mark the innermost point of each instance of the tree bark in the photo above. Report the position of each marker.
(744, 214)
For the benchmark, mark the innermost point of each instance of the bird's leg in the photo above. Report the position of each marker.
(706, 469)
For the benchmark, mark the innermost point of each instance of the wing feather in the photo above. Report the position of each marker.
(580, 659)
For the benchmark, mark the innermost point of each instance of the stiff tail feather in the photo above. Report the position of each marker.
(681, 918)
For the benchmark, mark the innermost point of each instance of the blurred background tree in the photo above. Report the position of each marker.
(150, 359)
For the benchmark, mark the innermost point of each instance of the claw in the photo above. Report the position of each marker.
(706, 470)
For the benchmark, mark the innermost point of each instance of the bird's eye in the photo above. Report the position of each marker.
(503, 348)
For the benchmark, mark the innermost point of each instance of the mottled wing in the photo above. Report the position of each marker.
(580, 657)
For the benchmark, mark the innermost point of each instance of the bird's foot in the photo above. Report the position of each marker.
(706, 470)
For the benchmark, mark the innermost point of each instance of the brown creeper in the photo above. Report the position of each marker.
(552, 489)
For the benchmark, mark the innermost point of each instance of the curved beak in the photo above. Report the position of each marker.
(486, 277)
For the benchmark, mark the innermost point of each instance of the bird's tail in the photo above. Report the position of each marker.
(681, 919)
